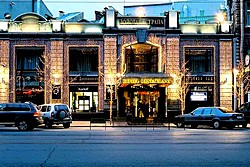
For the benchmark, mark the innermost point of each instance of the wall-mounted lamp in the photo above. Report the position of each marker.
(56, 77)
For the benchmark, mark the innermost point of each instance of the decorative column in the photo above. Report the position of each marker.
(173, 68)
(110, 71)
(56, 73)
(226, 74)
(4, 72)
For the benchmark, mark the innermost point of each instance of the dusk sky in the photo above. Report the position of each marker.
(90, 6)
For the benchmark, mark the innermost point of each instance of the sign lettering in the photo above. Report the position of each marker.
(152, 21)
(147, 80)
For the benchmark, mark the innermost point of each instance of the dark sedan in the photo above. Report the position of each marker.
(216, 117)
(245, 109)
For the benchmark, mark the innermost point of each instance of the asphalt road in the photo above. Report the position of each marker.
(121, 146)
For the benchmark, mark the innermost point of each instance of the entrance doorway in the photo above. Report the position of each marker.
(199, 96)
(143, 101)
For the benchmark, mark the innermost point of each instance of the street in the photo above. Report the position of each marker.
(124, 146)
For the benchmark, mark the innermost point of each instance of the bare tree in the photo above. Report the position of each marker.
(182, 80)
(242, 81)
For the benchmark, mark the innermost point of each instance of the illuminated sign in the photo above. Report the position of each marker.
(147, 80)
(198, 96)
(151, 21)
(83, 79)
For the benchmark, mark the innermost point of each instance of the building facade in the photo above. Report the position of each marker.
(143, 66)
(241, 28)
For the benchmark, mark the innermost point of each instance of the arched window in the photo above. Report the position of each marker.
(141, 58)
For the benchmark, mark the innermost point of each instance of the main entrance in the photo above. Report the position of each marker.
(142, 101)
(143, 96)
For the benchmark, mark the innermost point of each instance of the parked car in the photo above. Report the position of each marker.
(215, 117)
(56, 114)
(245, 109)
(25, 116)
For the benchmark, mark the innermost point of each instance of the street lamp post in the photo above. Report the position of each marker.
(235, 72)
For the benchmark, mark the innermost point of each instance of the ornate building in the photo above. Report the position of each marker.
(145, 66)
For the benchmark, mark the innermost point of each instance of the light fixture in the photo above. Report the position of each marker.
(220, 17)
(140, 12)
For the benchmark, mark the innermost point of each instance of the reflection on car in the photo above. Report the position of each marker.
(245, 109)
(216, 117)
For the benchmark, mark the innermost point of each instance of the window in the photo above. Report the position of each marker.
(83, 60)
(30, 65)
(141, 58)
(199, 60)
(248, 14)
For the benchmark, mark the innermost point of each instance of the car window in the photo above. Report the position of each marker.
(197, 111)
(244, 106)
(23, 107)
(61, 107)
(43, 108)
(213, 112)
(2, 107)
(11, 107)
(247, 106)
(207, 111)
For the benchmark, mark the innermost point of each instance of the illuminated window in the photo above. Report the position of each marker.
(141, 58)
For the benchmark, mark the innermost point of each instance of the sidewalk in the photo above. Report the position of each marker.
(117, 124)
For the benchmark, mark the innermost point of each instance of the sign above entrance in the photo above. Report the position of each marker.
(141, 21)
(135, 80)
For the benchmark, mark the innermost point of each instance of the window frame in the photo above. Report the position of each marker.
(207, 68)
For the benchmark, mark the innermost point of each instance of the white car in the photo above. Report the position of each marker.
(56, 114)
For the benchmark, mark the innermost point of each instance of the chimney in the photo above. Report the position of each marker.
(61, 13)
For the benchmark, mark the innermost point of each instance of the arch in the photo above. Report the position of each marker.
(24, 16)
(145, 45)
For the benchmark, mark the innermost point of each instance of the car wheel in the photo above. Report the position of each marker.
(180, 125)
(66, 125)
(47, 124)
(216, 124)
(22, 125)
